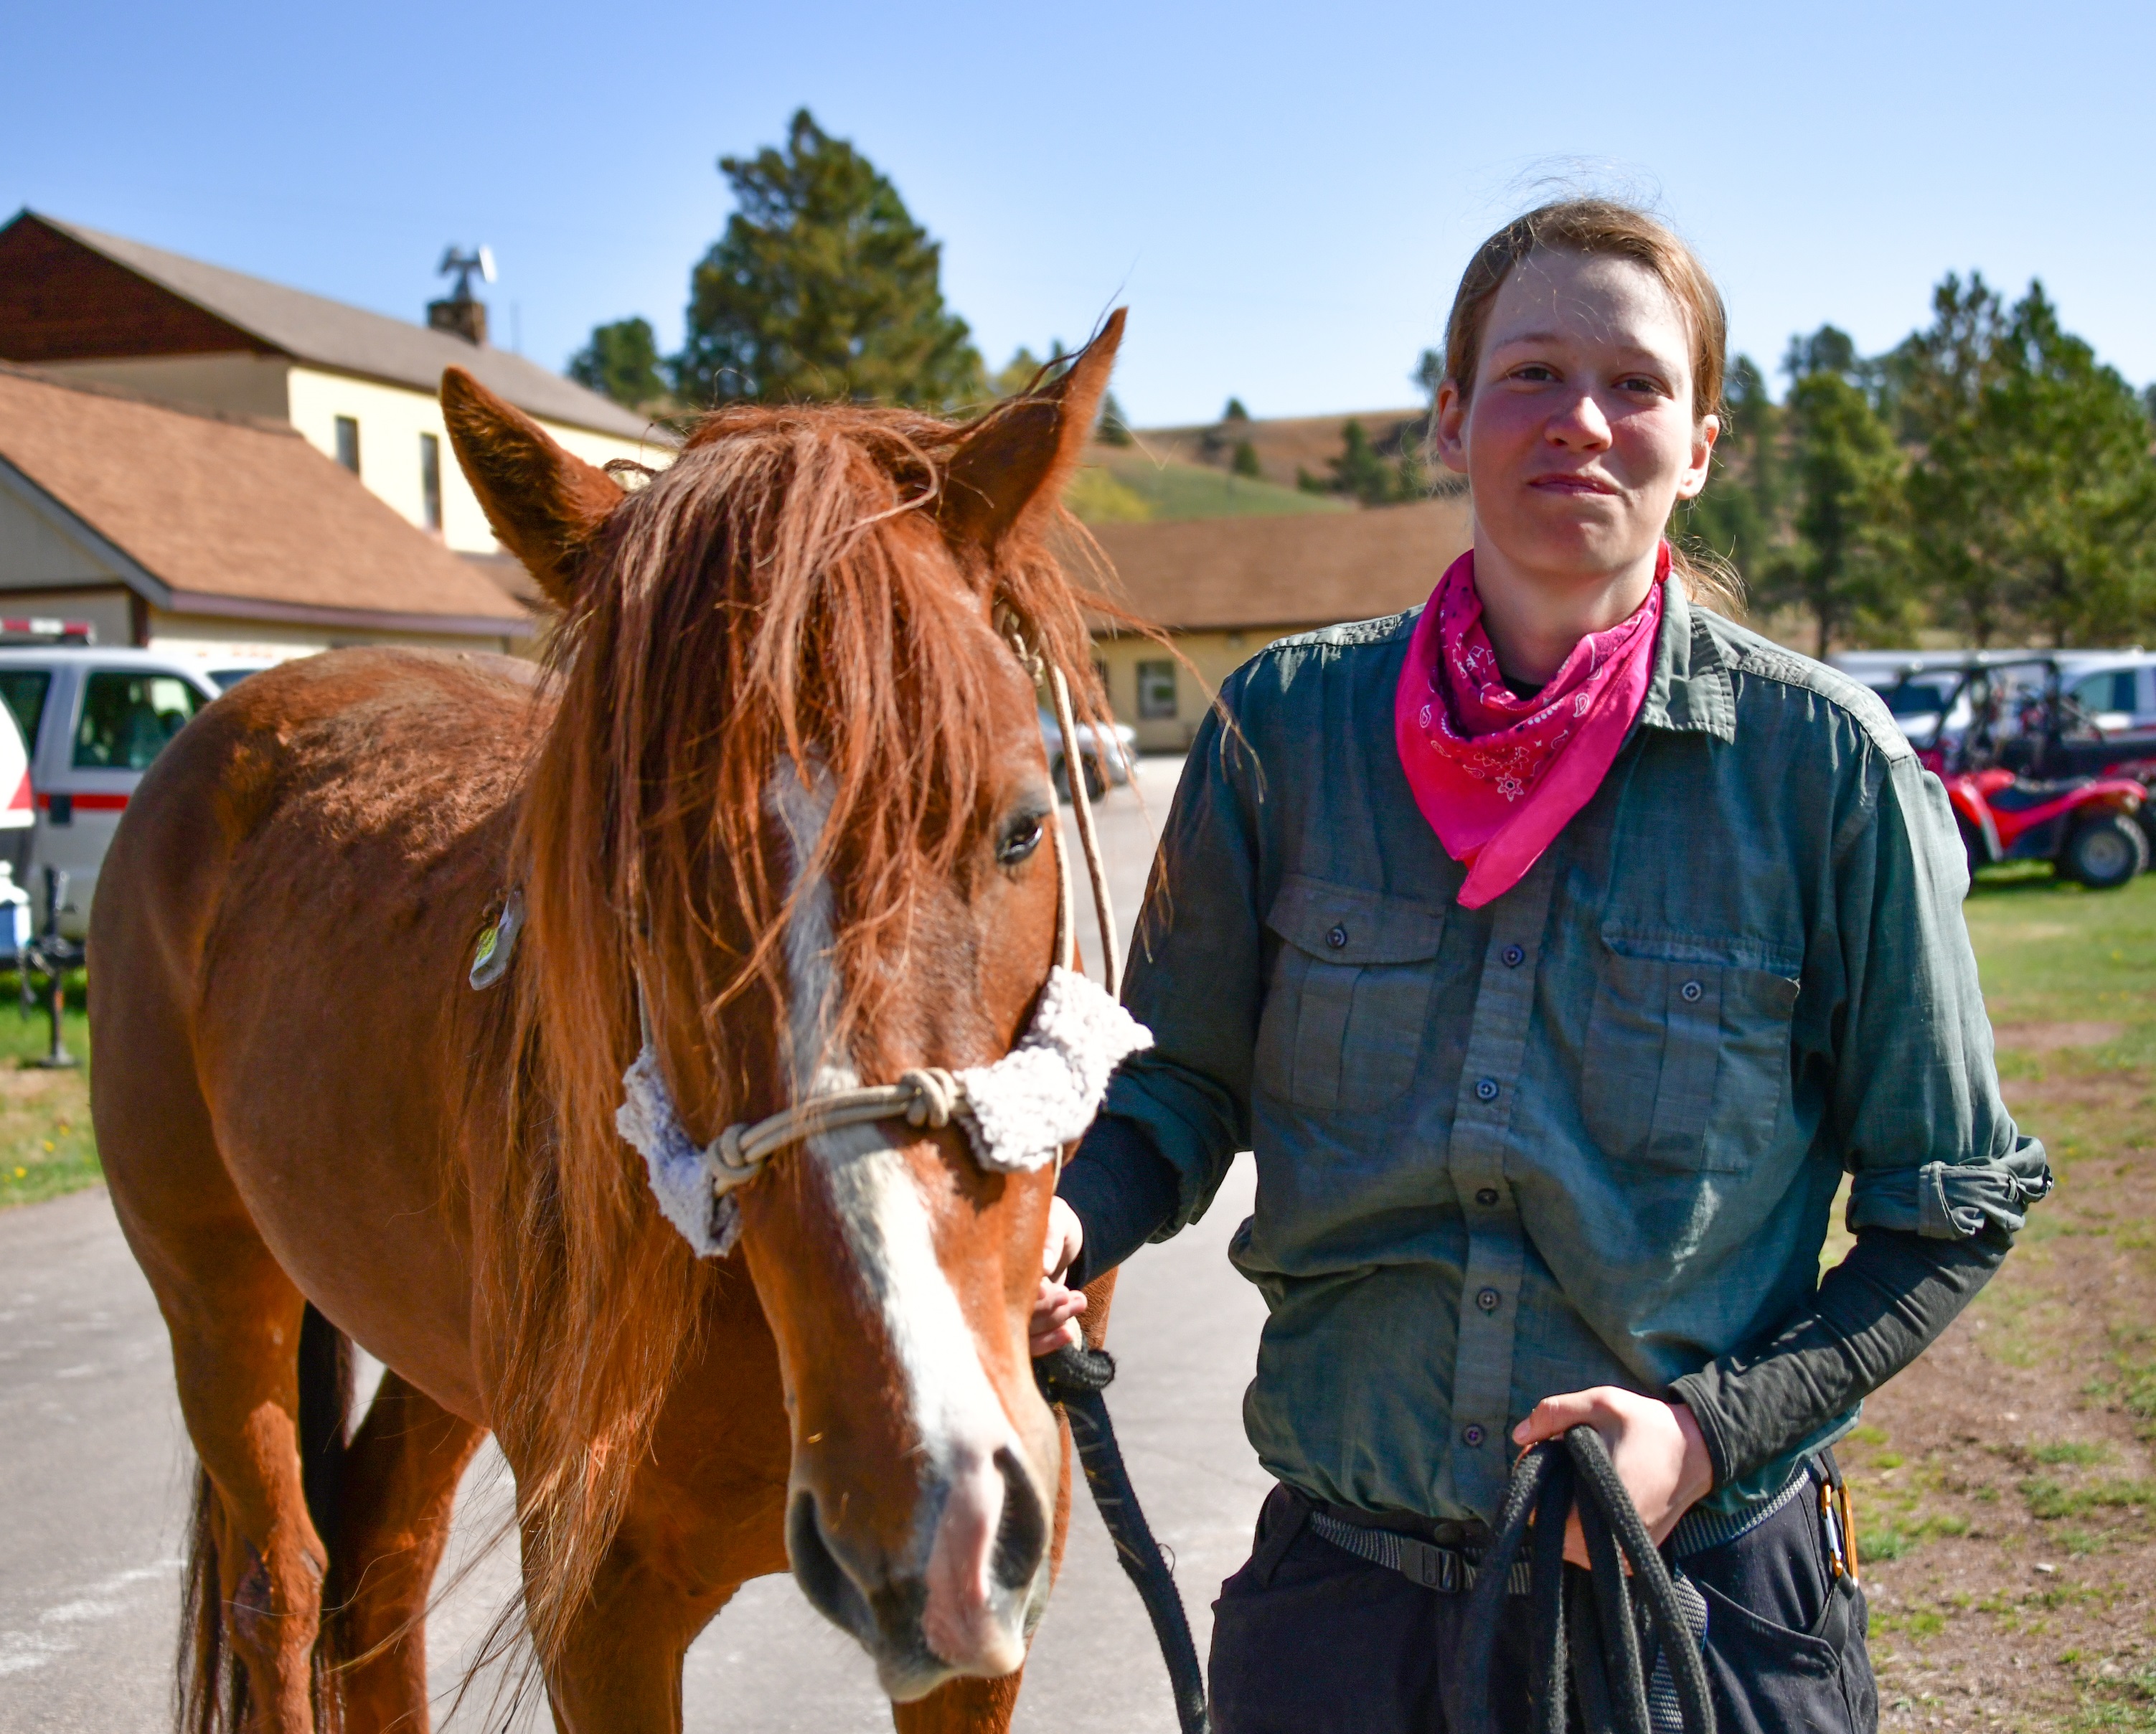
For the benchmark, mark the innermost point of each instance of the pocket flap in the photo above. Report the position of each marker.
(1346, 924)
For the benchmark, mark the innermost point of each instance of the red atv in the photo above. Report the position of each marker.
(1996, 719)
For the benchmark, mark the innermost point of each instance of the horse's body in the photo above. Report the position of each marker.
(304, 983)
(316, 1130)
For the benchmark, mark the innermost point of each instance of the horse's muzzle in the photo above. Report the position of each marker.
(964, 1597)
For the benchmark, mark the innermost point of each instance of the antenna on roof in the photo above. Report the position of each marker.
(463, 315)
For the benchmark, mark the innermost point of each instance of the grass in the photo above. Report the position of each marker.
(46, 1145)
(2054, 953)
(1128, 486)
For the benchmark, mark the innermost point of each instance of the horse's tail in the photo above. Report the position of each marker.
(212, 1696)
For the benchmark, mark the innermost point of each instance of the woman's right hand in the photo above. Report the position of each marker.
(1056, 1309)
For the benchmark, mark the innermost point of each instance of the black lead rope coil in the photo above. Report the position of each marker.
(1586, 1628)
(1073, 1379)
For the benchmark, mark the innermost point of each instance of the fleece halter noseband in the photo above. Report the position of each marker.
(1018, 1114)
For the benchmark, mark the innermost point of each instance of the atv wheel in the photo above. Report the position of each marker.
(2104, 852)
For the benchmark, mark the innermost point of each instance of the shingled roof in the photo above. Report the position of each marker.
(1232, 574)
(269, 317)
(216, 514)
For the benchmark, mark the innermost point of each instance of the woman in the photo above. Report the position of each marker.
(1557, 949)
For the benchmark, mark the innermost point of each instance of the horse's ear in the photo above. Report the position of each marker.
(1013, 464)
(547, 506)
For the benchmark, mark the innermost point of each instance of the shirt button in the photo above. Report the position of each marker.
(1338, 938)
(1488, 1300)
(1487, 1197)
(1514, 956)
(1486, 1089)
(1470, 1435)
(1690, 992)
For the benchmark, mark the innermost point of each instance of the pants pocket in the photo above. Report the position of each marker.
(1770, 1679)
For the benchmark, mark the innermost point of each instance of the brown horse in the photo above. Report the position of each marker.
(784, 780)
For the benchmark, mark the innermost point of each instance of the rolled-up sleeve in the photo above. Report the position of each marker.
(1196, 973)
(1923, 1132)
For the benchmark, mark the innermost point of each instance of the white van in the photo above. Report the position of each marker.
(94, 720)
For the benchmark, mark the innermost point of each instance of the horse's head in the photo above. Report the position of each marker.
(796, 796)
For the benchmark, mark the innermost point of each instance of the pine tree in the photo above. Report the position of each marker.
(622, 361)
(1113, 428)
(1738, 515)
(1845, 469)
(1244, 462)
(2076, 464)
(823, 286)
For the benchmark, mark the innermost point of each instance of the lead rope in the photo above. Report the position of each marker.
(1074, 1378)
(1587, 1630)
(1081, 810)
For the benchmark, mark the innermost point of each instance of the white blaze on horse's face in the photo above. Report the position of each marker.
(962, 1586)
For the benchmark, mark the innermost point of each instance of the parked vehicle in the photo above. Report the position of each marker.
(1105, 765)
(94, 720)
(1997, 725)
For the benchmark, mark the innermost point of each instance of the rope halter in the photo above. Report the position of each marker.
(1018, 1114)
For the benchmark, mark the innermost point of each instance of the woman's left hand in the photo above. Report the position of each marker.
(1655, 1447)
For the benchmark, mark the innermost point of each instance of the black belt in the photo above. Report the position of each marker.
(1450, 1571)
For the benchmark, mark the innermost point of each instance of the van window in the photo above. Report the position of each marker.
(1915, 698)
(127, 719)
(2110, 691)
(24, 691)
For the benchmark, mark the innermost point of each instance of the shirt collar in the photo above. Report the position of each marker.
(1689, 691)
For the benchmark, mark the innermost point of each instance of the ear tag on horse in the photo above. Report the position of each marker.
(490, 958)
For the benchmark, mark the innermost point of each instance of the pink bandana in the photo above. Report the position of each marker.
(1497, 776)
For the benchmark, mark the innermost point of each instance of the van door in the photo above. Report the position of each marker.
(122, 718)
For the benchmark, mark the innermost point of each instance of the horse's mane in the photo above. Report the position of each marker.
(781, 596)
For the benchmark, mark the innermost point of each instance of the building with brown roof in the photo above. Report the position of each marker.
(1223, 588)
(214, 535)
(359, 387)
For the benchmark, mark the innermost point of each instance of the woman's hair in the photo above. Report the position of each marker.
(1602, 228)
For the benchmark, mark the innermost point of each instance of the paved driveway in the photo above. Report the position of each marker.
(94, 1468)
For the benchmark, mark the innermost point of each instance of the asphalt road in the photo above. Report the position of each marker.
(95, 1470)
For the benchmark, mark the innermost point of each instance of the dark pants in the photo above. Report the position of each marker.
(1307, 1639)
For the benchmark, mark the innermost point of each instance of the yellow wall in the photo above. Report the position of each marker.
(392, 419)
(1215, 655)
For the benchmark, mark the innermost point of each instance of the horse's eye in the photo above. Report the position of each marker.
(1019, 840)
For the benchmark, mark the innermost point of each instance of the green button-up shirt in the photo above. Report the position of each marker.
(1590, 1132)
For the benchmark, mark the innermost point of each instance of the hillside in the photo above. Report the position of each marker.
(1284, 444)
(1142, 484)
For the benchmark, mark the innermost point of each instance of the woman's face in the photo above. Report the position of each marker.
(1579, 437)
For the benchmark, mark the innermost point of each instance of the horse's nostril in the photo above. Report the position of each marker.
(1022, 1535)
(817, 1570)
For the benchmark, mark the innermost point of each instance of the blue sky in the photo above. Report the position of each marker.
(1284, 194)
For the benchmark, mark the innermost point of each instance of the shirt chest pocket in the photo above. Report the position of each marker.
(1687, 1058)
(1349, 1002)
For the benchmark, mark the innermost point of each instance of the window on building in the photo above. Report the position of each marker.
(430, 479)
(127, 719)
(348, 442)
(24, 691)
(1156, 690)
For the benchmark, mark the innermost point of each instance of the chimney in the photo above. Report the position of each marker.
(461, 316)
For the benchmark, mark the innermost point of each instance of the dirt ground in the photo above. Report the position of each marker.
(2005, 1484)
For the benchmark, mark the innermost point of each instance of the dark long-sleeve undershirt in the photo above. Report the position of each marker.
(1872, 1315)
